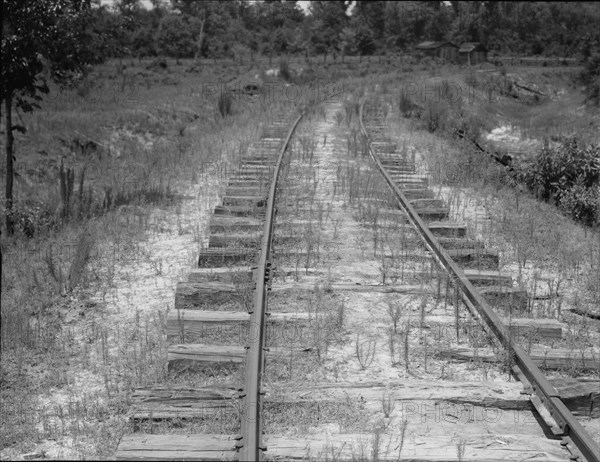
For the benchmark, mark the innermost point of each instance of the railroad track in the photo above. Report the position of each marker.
(287, 299)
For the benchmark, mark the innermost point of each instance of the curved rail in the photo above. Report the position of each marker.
(251, 446)
(547, 393)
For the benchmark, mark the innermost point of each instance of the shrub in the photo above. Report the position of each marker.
(582, 204)
(435, 116)
(468, 125)
(567, 175)
(405, 105)
(225, 104)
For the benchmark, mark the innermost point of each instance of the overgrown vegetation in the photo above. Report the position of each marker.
(103, 157)
(568, 176)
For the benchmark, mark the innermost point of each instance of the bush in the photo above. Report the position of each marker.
(568, 176)
(407, 107)
(436, 116)
(582, 204)
(225, 104)
(284, 70)
(467, 125)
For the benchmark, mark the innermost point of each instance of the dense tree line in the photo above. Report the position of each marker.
(211, 29)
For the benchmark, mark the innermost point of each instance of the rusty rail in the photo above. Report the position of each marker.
(568, 424)
(251, 445)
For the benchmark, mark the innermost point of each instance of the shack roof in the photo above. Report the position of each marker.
(468, 47)
(430, 45)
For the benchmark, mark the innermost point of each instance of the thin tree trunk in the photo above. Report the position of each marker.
(200, 38)
(10, 225)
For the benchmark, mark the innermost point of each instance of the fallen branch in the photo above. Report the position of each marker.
(528, 89)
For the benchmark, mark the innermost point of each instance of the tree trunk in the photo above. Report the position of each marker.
(199, 43)
(10, 224)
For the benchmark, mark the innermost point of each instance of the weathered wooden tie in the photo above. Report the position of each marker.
(182, 322)
(527, 327)
(237, 274)
(418, 193)
(509, 298)
(230, 223)
(486, 278)
(498, 447)
(224, 354)
(447, 229)
(239, 210)
(549, 358)
(427, 203)
(480, 259)
(225, 256)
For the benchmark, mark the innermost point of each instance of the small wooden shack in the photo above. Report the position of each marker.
(472, 53)
(445, 50)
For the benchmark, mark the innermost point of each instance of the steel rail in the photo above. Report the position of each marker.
(251, 446)
(250, 443)
(540, 384)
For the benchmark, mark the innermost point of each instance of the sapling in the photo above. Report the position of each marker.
(365, 351)
(403, 426)
(406, 344)
(394, 309)
(392, 346)
(422, 306)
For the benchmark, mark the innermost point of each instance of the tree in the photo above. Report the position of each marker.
(348, 41)
(365, 42)
(41, 41)
(328, 21)
(370, 15)
(176, 37)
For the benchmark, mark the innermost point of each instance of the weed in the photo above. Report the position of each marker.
(365, 351)
(406, 336)
(83, 253)
(460, 450)
(387, 404)
(403, 426)
(67, 180)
